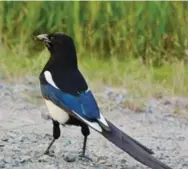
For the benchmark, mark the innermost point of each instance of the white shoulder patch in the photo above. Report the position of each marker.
(87, 90)
(49, 79)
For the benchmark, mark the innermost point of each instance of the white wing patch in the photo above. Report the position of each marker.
(102, 120)
(57, 113)
(49, 79)
(94, 125)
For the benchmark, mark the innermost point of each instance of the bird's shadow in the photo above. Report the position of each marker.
(91, 160)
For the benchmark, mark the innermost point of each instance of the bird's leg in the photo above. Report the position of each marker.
(85, 132)
(84, 146)
(56, 134)
(50, 145)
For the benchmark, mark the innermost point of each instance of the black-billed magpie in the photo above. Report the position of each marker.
(71, 102)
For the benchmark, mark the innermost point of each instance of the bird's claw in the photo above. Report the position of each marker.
(46, 152)
(84, 158)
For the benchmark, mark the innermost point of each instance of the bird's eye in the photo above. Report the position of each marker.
(51, 38)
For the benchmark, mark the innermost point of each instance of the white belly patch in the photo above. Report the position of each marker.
(57, 113)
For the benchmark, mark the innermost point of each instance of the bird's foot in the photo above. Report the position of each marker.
(49, 153)
(84, 158)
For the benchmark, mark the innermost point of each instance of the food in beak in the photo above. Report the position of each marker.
(43, 37)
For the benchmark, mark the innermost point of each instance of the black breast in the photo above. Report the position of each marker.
(70, 82)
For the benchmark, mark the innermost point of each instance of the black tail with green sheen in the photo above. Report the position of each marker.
(133, 148)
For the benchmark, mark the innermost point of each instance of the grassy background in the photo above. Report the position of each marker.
(138, 45)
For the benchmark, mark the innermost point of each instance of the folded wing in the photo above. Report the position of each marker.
(83, 106)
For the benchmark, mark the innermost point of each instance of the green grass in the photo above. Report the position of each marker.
(140, 80)
(136, 45)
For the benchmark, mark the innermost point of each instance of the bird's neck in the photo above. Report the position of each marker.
(61, 63)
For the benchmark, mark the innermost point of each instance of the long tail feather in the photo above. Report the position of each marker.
(141, 145)
(133, 148)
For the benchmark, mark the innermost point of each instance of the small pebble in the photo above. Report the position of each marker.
(4, 139)
(123, 161)
(102, 160)
(70, 158)
(181, 138)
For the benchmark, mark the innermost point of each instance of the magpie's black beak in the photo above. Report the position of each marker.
(43, 37)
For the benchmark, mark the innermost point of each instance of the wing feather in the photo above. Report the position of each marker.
(67, 103)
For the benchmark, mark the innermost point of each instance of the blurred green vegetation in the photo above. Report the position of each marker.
(153, 31)
(108, 36)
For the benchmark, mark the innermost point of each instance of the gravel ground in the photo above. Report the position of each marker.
(25, 134)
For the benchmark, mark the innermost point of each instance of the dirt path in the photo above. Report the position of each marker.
(24, 134)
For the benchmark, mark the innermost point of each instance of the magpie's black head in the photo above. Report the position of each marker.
(61, 47)
(57, 42)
